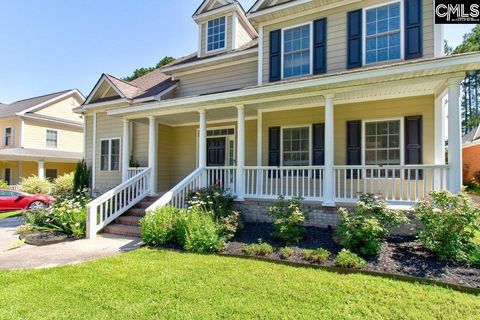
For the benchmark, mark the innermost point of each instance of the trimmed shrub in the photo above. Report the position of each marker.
(160, 226)
(348, 259)
(198, 232)
(367, 228)
(286, 252)
(3, 184)
(289, 216)
(35, 185)
(67, 215)
(319, 255)
(63, 185)
(450, 225)
(258, 249)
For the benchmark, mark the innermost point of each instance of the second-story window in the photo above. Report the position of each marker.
(8, 137)
(52, 138)
(383, 33)
(296, 51)
(216, 34)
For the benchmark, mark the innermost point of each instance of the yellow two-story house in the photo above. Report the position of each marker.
(322, 99)
(41, 136)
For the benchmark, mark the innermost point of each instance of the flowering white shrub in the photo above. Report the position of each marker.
(67, 215)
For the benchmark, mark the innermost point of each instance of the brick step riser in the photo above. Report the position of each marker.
(129, 220)
(136, 212)
(121, 230)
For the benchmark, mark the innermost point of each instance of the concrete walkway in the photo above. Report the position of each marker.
(74, 252)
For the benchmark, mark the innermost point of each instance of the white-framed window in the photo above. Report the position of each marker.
(296, 146)
(297, 51)
(216, 34)
(8, 137)
(51, 138)
(383, 33)
(110, 154)
(383, 142)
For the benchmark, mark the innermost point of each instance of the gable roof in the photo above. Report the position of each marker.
(264, 4)
(208, 5)
(149, 85)
(472, 137)
(28, 105)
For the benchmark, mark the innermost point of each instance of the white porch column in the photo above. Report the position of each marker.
(454, 136)
(125, 149)
(329, 187)
(202, 145)
(41, 169)
(152, 152)
(439, 136)
(259, 151)
(20, 172)
(241, 153)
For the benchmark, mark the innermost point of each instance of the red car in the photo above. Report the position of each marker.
(16, 200)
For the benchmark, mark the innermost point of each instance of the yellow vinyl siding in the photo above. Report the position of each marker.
(383, 109)
(30, 168)
(35, 135)
(337, 33)
(218, 80)
(10, 122)
(242, 35)
(62, 110)
(139, 145)
(180, 156)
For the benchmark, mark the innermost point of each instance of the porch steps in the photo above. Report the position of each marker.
(127, 224)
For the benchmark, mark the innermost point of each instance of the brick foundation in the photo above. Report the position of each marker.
(256, 211)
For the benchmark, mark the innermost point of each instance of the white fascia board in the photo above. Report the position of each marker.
(213, 59)
(277, 8)
(299, 84)
(216, 11)
(97, 86)
(60, 121)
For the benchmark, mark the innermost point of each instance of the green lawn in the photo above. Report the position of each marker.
(5, 215)
(150, 284)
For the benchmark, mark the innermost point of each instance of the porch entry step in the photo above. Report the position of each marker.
(139, 212)
(122, 230)
(129, 220)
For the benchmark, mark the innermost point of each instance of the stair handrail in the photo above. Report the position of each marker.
(168, 197)
(116, 201)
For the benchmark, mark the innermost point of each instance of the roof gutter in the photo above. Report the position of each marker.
(60, 121)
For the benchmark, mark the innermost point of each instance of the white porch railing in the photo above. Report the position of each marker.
(109, 206)
(225, 177)
(272, 182)
(134, 171)
(395, 183)
(177, 196)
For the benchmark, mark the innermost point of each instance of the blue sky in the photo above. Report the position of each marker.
(53, 45)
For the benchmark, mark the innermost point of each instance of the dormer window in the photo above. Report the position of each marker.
(297, 58)
(383, 33)
(216, 34)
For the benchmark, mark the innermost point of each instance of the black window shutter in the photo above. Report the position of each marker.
(413, 140)
(320, 46)
(318, 144)
(274, 147)
(354, 143)
(354, 47)
(413, 29)
(275, 55)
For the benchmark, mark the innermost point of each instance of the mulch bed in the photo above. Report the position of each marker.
(401, 255)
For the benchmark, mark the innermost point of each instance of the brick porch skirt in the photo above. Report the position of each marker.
(256, 211)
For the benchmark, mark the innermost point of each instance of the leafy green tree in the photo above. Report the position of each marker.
(448, 50)
(137, 73)
(471, 41)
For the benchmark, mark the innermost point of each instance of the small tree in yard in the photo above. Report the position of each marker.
(365, 230)
(81, 177)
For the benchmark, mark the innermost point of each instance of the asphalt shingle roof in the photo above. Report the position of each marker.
(11, 109)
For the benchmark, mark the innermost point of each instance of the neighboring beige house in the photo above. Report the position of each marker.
(323, 99)
(41, 136)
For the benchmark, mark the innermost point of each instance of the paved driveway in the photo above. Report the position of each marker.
(31, 257)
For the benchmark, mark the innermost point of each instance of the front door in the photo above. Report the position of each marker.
(216, 152)
(8, 176)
